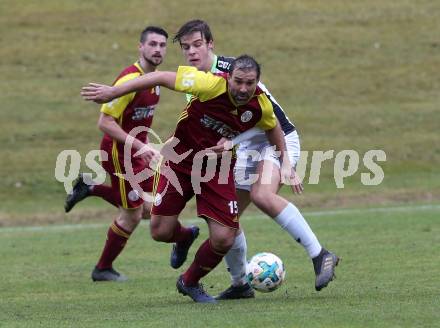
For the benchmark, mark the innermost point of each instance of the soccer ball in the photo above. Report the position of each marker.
(265, 272)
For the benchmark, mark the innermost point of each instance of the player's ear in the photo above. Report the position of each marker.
(211, 45)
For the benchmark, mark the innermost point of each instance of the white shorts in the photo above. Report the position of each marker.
(256, 149)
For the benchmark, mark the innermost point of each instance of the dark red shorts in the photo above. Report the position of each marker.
(130, 193)
(216, 201)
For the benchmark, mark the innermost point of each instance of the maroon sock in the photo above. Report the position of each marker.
(106, 193)
(181, 235)
(116, 239)
(205, 260)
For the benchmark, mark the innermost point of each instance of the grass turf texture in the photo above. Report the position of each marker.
(387, 278)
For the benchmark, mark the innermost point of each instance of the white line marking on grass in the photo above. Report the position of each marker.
(80, 226)
(374, 209)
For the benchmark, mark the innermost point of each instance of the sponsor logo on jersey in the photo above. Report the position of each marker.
(141, 113)
(246, 116)
(188, 79)
(223, 65)
(221, 128)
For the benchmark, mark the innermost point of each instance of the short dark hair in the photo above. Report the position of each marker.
(195, 25)
(245, 62)
(152, 29)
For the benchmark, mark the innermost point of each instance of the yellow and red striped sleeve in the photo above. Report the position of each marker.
(116, 107)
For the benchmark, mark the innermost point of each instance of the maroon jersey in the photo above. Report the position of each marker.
(211, 114)
(133, 110)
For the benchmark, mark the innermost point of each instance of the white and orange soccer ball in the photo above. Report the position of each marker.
(265, 272)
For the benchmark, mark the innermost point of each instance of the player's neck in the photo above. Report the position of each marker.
(146, 66)
(212, 57)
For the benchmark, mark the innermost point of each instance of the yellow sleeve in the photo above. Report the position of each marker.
(268, 120)
(203, 85)
(116, 107)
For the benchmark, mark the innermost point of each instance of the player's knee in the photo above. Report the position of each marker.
(135, 219)
(159, 232)
(222, 244)
(130, 219)
(156, 233)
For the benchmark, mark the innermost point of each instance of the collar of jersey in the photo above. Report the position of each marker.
(139, 67)
(214, 64)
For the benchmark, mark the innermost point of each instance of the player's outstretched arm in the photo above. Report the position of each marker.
(101, 93)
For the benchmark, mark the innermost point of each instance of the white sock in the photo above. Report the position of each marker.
(291, 220)
(236, 260)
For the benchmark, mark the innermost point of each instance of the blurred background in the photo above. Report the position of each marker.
(350, 74)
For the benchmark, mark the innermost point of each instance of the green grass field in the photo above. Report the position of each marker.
(355, 75)
(388, 277)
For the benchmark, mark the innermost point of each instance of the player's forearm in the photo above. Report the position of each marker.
(147, 81)
(245, 136)
(109, 126)
(276, 138)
